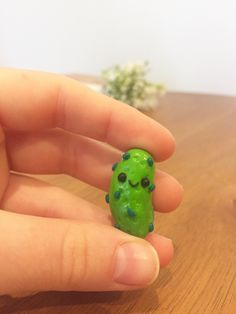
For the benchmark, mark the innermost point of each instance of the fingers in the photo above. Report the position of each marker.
(168, 193)
(81, 157)
(47, 101)
(62, 152)
(163, 246)
(42, 254)
(29, 196)
(32, 196)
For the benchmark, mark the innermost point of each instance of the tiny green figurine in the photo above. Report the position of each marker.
(130, 195)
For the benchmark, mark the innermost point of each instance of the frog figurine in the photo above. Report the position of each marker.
(130, 193)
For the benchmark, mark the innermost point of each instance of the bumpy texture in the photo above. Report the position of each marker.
(130, 195)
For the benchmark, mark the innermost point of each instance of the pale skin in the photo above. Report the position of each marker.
(51, 239)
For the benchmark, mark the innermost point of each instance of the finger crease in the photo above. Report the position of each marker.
(107, 128)
(60, 113)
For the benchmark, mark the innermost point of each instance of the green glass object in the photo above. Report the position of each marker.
(130, 194)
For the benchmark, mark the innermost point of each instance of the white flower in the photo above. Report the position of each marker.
(128, 83)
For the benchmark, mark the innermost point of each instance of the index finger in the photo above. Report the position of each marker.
(33, 100)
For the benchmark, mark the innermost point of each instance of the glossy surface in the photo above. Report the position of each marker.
(130, 195)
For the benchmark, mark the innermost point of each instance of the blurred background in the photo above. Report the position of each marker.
(190, 45)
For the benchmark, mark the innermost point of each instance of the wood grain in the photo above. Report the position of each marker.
(202, 276)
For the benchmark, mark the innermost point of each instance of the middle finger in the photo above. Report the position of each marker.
(56, 151)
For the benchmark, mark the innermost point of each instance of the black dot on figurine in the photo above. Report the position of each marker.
(126, 156)
(150, 161)
(130, 212)
(122, 177)
(117, 195)
(152, 187)
(114, 166)
(151, 227)
(117, 226)
(107, 199)
(145, 182)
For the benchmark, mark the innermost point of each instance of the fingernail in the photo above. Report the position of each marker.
(136, 264)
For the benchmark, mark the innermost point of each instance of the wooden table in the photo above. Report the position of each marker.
(202, 276)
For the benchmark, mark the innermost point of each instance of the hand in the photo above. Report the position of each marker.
(51, 239)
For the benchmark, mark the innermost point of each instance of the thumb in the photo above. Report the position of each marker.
(42, 254)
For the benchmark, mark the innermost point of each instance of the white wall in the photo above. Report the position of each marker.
(190, 44)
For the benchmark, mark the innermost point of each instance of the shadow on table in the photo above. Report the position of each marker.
(85, 302)
(59, 301)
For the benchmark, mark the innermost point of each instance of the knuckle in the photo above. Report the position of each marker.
(60, 112)
(73, 261)
(70, 156)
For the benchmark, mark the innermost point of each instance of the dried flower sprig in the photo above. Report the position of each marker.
(128, 83)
